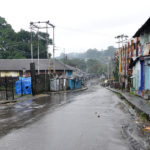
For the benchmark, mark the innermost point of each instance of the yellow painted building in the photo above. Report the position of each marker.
(9, 74)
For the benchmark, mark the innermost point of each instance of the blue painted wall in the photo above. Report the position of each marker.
(147, 78)
(74, 84)
(69, 74)
(147, 75)
(142, 76)
(71, 84)
(78, 84)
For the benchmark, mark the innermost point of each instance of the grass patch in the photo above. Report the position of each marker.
(127, 103)
(148, 102)
(144, 116)
(132, 93)
(119, 94)
(124, 99)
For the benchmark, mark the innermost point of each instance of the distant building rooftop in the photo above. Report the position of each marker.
(20, 64)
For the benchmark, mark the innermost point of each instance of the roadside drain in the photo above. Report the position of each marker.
(134, 144)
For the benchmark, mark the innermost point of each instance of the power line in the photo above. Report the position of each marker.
(36, 26)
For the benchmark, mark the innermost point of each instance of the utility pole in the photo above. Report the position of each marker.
(118, 38)
(47, 40)
(54, 46)
(108, 70)
(31, 45)
(38, 50)
(64, 62)
(37, 26)
(121, 40)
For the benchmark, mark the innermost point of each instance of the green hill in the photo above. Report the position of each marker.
(102, 56)
(92, 61)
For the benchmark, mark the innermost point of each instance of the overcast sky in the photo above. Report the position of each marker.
(80, 24)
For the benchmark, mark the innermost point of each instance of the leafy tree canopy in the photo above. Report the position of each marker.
(17, 44)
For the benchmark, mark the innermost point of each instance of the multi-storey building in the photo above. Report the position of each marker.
(134, 61)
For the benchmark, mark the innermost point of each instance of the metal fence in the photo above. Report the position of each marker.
(58, 84)
(7, 88)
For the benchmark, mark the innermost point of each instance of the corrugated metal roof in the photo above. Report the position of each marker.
(20, 64)
(145, 26)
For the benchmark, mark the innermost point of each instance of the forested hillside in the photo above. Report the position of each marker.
(92, 61)
(102, 56)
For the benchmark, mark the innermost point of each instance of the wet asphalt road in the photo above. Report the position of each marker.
(95, 119)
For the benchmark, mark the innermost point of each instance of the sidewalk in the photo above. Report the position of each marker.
(137, 101)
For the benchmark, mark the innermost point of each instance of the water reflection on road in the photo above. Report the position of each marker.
(89, 120)
(16, 115)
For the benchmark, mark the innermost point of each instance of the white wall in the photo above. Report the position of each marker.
(137, 75)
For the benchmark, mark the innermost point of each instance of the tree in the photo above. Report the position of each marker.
(116, 69)
(17, 45)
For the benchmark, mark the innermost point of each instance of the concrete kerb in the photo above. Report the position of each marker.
(24, 98)
(69, 91)
(138, 103)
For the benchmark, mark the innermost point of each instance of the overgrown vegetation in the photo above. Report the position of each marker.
(127, 103)
(144, 116)
(132, 93)
(119, 95)
(148, 102)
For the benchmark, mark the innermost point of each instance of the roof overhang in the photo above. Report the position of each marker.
(144, 27)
